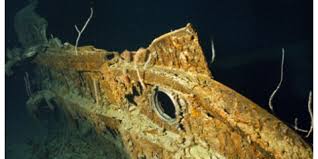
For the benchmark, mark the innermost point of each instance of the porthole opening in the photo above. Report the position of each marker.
(164, 105)
(109, 56)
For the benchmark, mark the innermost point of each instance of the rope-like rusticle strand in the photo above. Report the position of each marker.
(311, 118)
(81, 31)
(212, 51)
(310, 113)
(280, 82)
(27, 84)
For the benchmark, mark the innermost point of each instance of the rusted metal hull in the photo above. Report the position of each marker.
(121, 93)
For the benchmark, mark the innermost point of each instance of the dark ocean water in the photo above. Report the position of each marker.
(248, 38)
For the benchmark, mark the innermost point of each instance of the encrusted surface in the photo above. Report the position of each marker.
(115, 92)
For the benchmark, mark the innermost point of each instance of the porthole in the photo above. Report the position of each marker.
(109, 57)
(164, 105)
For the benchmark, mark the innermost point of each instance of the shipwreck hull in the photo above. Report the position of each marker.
(156, 102)
(162, 102)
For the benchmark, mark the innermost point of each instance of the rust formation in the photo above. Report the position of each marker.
(159, 102)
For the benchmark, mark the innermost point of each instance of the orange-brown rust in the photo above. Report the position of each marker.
(211, 120)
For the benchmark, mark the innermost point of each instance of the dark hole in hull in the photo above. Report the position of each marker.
(165, 105)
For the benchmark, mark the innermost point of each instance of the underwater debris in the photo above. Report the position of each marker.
(70, 145)
(35, 102)
(175, 107)
(27, 21)
(13, 56)
(31, 31)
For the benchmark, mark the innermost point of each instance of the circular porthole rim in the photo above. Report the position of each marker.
(159, 111)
